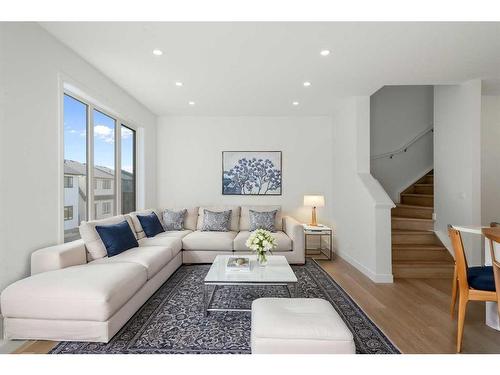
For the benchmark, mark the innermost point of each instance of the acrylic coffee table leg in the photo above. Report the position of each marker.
(206, 298)
(208, 292)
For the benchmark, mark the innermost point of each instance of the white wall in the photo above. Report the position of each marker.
(190, 159)
(359, 205)
(397, 115)
(490, 158)
(31, 65)
(457, 161)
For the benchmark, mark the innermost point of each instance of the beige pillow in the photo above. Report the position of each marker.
(93, 243)
(137, 224)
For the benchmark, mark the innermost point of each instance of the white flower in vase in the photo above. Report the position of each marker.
(261, 242)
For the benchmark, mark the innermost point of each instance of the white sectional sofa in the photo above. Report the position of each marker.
(203, 247)
(77, 293)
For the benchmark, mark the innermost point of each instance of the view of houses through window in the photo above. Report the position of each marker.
(104, 190)
(68, 213)
(128, 169)
(104, 165)
(68, 181)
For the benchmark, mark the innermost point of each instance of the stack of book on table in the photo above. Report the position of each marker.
(315, 228)
(238, 264)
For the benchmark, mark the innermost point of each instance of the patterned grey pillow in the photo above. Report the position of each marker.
(216, 221)
(174, 220)
(262, 220)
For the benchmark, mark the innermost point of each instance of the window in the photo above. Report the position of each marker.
(75, 118)
(128, 169)
(91, 141)
(68, 182)
(106, 208)
(68, 213)
(104, 156)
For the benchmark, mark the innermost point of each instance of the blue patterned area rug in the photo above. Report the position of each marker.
(172, 320)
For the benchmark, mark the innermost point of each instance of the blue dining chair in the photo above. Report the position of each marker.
(470, 283)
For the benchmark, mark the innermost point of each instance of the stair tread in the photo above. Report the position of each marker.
(418, 253)
(406, 218)
(417, 195)
(402, 205)
(410, 246)
(409, 231)
(427, 263)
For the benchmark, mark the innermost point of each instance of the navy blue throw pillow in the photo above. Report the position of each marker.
(150, 224)
(117, 237)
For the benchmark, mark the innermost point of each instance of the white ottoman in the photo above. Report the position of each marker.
(298, 326)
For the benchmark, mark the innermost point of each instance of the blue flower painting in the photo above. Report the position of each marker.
(251, 173)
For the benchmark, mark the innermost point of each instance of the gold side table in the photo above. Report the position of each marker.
(319, 232)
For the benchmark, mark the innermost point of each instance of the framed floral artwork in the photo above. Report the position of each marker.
(251, 173)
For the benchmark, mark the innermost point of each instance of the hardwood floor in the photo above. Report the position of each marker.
(413, 313)
(36, 347)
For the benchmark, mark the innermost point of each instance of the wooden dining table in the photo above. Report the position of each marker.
(492, 233)
(491, 315)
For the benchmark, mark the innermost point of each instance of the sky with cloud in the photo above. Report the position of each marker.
(75, 133)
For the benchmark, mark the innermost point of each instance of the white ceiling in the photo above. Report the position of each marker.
(258, 68)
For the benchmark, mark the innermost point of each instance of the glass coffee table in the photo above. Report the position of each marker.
(276, 272)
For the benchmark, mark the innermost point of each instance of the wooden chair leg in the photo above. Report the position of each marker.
(462, 307)
(454, 292)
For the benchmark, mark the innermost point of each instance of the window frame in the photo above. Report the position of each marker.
(119, 122)
(106, 208)
(70, 182)
(69, 217)
(134, 159)
(117, 146)
(62, 219)
(106, 184)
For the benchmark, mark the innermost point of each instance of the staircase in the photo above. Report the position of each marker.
(416, 251)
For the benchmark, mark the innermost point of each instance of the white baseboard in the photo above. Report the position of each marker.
(378, 278)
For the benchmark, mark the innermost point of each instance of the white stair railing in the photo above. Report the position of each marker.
(405, 147)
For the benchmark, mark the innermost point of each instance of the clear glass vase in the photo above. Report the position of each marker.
(262, 259)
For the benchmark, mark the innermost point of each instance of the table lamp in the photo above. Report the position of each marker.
(314, 201)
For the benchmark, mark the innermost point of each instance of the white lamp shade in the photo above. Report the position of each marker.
(314, 200)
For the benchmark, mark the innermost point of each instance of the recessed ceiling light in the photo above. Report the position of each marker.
(307, 84)
(179, 84)
(295, 104)
(157, 52)
(191, 103)
(325, 52)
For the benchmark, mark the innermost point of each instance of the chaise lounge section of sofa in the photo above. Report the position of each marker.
(77, 293)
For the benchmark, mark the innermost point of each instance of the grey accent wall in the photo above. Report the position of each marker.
(398, 114)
